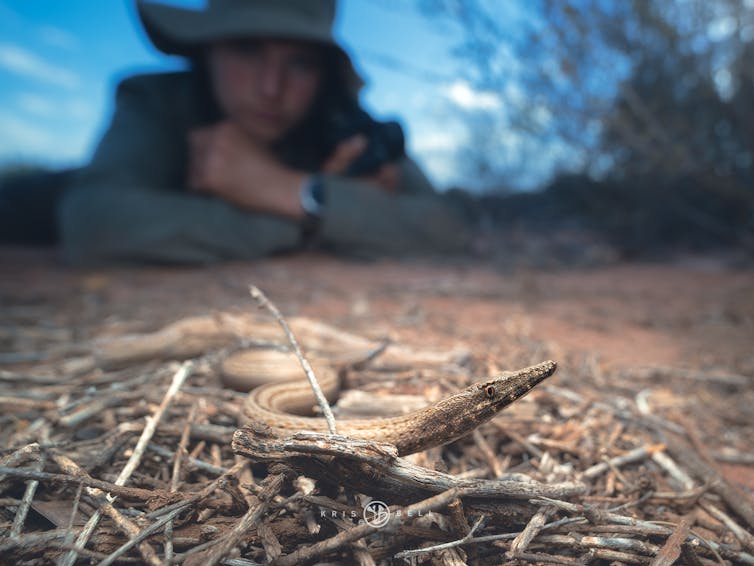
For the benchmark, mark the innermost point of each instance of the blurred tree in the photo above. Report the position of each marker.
(687, 108)
(658, 89)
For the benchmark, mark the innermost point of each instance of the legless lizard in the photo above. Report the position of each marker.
(439, 423)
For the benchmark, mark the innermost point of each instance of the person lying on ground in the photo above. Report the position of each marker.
(257, 149)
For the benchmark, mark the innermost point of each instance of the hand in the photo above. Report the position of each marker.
(224, 162)
(387, 177)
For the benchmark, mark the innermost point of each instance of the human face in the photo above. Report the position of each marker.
(265, 86)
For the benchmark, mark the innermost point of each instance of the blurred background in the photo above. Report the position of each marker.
(634, 117)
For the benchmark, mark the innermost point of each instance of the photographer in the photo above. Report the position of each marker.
(259, 148)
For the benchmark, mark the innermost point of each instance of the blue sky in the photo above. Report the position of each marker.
(59, 63)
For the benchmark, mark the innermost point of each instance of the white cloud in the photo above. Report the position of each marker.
(27, 63)
(58, 37)
(435, 141)
(442, 170)
(35, 104)
(81, 110)
(40, 106)
(436, 149)
(20, 136)
(463, 95)
(418, 99)
(24, 139)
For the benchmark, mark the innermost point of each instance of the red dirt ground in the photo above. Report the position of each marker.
(696, 314)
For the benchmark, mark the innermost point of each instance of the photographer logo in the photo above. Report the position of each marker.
(376, 513)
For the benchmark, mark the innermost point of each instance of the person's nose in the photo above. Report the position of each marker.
(272, 79)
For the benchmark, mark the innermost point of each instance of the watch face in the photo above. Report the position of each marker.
(318, 190)
(312, 196)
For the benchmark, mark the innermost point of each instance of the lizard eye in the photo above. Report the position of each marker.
(489, 391)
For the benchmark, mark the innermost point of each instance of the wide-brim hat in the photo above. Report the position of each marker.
(182, 31)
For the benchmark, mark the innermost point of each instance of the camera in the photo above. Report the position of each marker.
(385, 140)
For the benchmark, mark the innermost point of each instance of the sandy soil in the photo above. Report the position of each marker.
(695, 314)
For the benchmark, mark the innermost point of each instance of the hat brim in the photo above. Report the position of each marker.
(179, 31)
(182, 31)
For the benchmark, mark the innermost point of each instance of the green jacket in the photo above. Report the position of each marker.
(130, 202)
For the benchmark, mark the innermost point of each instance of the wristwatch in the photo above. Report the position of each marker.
(312, 195)
(312, 198)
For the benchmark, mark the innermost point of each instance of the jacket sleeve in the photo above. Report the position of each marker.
(359, 218)
(129, 204)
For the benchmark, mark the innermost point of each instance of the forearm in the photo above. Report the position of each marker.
(142, 225)
(282, 197)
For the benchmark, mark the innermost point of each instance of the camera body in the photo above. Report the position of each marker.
(385, 140)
